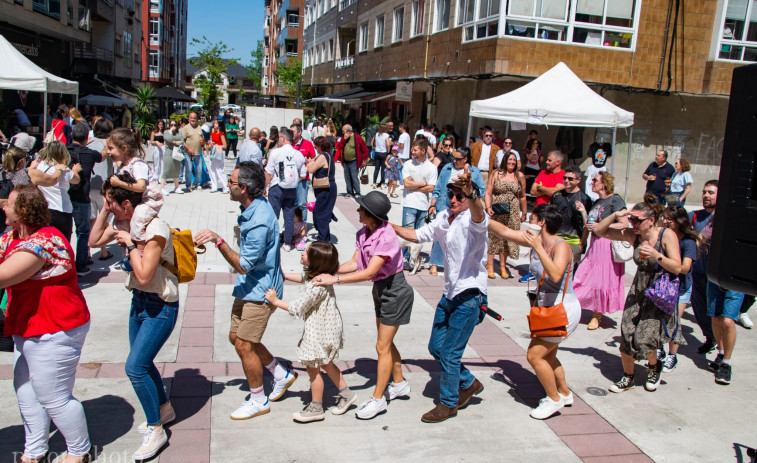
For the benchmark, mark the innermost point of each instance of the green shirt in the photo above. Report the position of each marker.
(350, 153)
(231, 131)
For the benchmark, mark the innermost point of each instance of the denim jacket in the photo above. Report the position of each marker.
(440, 191)
(258, 252)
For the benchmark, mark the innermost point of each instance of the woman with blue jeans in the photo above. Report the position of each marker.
(154, 307)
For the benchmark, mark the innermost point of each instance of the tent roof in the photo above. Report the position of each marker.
(19, 73)
(557, 97)
(171, 93)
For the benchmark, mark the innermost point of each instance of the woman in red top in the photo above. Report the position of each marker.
(216, 170)
(48, 319)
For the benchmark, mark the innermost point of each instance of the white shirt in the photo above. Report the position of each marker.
(420, 172)
(250, 151)
(501, 154)
(405, 142)
(379, 142)
(463, 244)
(165, 284)
(57, 195)
(483, 161)
(317, 131)
(592, 172)
(292, 163)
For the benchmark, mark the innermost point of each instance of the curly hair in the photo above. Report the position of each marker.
(608, 180)
(120, 194)
(31, 206)
(323, 144)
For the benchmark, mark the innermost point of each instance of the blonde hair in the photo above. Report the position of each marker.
(75, 115)
(55, 153)
(608, 180)
(12, 157)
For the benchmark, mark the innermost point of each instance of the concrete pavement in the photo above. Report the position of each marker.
(689, 418)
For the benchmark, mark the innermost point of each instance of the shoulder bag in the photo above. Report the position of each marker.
(549, 322)
(501, 208)
(323, 182)
(663, 291)
(621, 250)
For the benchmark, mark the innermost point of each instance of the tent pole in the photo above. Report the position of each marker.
(470, 121)
(612, 163)
(507, 129)
(628, 163)
(44, 119)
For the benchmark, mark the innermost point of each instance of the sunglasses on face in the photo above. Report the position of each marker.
(508, 143)
(457, 159)
(636, 220)
(571, 179)
(594, 180)
(446, 145)
(488, 135)
(458, 196)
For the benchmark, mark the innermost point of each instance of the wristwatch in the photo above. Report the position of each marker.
(659, 259)
(473, 195)
(130, 248)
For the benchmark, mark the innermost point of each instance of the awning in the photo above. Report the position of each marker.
(103, 100)
(338, 97)
(170, 93)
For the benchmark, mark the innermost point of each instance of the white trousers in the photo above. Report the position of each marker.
(217, 175)
(157, 161)
(43, 377)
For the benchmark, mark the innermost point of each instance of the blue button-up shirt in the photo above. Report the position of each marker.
(258, 253)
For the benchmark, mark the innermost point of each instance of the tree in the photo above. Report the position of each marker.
(288, 75)
(255, 68)
(210, 60)
(144, 110)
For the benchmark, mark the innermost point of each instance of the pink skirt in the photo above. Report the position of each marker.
(599, 281)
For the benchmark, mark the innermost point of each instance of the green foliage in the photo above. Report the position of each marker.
(144, 110)
(288, 75)
(371, 124)
(255, 68)
(210, 60)
(176, 117)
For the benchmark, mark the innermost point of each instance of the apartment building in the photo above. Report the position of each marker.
(164, 50)
(282, 40)
(669, 62)
(235, 87)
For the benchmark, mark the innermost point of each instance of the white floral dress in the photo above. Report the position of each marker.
(322, 337)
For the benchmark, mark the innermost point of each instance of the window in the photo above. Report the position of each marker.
(543, 19)
(738, 38)
(156, 6)
(265, 60)
(417, 18)
(265, 81)
(154, 31)
(399, 24)
(363, 37)
(153, 63)
(606, 23)
(345, 3)
(127, 49)
(441, 23)
(293, 20)
(379, 42)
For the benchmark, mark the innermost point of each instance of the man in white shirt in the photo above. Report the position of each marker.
(404, 143)
(461, 230)
(507, 147)
(419, 176)
(250, 150)
(483, 154)
(428, 132)
(282, 172)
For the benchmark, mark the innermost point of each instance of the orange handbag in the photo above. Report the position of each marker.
(549, 322)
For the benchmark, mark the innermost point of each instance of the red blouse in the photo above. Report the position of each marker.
(216, 137)
(51, 300)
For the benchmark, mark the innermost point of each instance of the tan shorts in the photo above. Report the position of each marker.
(249, 319)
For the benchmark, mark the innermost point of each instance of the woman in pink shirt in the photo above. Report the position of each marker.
(378, 258)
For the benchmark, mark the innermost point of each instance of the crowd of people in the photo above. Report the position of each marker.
(470, 202)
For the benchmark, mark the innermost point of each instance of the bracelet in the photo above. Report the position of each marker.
(220, 242)
(337, 279)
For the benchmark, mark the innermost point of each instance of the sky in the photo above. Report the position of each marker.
(237, 23)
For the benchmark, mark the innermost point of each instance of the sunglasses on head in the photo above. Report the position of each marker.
(636, 220)
(458, 196)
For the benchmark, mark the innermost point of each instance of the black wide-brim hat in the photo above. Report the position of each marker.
(377, 204)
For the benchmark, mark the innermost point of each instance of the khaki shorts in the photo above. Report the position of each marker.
(249, 319)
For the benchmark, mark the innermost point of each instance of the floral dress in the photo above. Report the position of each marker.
(641, 326)
(506, 191)
(322, 337)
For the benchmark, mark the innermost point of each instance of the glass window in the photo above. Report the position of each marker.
(738, 39)
(399, 24)
(379, 42)
(442, 15)
(363, 36)
(606, 23)
(417, 18)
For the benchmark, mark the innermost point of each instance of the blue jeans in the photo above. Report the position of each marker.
(453, 325)
(722, 302)
(194, 170)
(400, 165)
(351, 177)
(412, 218)
(81, 220)
(302, 198)
(151, 322)
(284, 198)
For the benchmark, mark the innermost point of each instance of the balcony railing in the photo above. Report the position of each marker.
(87, 51)
(345, 62)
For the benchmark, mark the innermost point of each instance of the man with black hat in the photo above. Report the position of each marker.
(461, 230)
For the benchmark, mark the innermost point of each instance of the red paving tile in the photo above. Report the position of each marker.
(220, 278)
(200, 303)
(201, 354)
(201, 290)
(188, 445)
(196, 337)
(567, 425)
(198, 319)
(605, 445)
(111, 370)
(234, 369)
(579, 407)
(208, 370)
(6, 372)
(87, 370)
(191, 413)
(200, 278)
(634, 458)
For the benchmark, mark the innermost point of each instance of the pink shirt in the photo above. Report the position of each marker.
(382, 242)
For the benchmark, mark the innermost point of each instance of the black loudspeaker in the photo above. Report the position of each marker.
(733, 250)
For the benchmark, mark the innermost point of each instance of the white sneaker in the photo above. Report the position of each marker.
(286, 247)
(396, 390)
(745, 321)
(567, 400)
(178, 191)
(167, 414)
(281, 386)
(250, 409)
(547, 407)
(371, 408)
(154, 440)
(164, 192)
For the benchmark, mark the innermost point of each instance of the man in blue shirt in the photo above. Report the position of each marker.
(700, 219)
(258, 268)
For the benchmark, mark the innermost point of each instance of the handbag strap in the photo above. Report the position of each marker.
(544, 273)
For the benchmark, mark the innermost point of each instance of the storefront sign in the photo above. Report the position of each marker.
(26, 49)
(404, 91)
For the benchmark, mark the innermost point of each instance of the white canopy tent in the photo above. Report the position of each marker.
(557, 97)
(19, 73)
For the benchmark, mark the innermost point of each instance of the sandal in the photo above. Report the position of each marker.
(504, 273)
(432, 271)
(594, 323)
(106, 256)
(490, 271)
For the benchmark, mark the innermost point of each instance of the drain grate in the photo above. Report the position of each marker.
(597, 391)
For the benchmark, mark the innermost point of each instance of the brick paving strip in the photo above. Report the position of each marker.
(582, 429)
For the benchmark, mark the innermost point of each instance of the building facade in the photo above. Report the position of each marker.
(668, 62)
(235, 88)
(282, 41)
(164, 49)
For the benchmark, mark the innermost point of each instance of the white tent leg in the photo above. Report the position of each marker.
(628, 164)
(470, 121)
(612, 163)
(44, 118)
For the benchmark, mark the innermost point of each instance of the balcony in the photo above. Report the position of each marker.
(345, 62)
(100, 10)
(87, 51)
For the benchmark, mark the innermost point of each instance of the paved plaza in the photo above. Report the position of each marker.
(689, 418)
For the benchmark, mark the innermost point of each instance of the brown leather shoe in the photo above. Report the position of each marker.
(439, 414)
(465, 394)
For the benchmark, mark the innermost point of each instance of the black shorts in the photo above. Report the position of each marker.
(393, 300)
